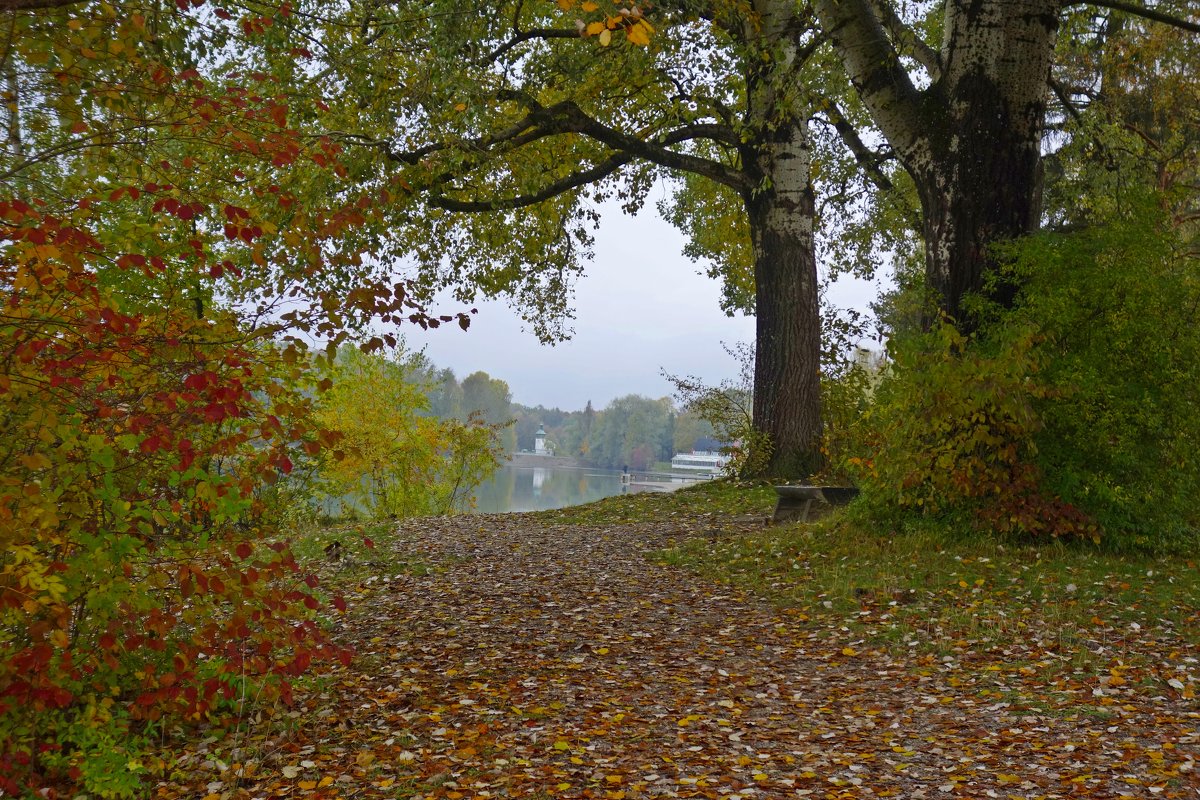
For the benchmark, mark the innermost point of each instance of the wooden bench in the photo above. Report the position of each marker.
(796, 501)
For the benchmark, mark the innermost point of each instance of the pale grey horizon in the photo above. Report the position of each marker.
(641, 307)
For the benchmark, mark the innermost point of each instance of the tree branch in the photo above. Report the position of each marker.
(654, 152)
(658, 152)
(1141, 11)
(1064, 97)
(874, 68)
(925, 55)
(525, 36)
(34, 5)
(572, 181)
(867, 158)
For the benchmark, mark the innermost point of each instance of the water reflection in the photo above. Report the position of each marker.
(544, 488)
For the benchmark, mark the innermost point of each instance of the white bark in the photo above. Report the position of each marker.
(971, 139)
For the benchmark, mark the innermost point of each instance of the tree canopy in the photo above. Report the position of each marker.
(530, 114)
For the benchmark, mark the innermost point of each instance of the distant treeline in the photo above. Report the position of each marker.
(632, 431)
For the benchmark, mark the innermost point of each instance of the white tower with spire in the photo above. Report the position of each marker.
(539, 442)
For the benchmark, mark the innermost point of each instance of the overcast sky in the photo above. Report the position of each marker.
(640, 308)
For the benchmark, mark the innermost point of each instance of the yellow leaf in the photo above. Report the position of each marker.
(460, 107)
(638, 35)
(595, 28)
(760, 776)
(60, 639)
(307, 785)
(602, 651)
(849, 651)
(566, 5)
(589, 6)
(561, 745)
(35, 461)
(605, 37)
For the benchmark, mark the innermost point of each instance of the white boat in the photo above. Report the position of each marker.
(704, 461)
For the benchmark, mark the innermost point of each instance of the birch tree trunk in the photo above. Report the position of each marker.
(971, 139)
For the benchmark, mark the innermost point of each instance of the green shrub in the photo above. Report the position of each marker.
(1072, 414)
(1116, 309)
(953, 432)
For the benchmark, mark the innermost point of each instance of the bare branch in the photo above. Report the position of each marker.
(654, 152)
(1144, 12)
(658, 152)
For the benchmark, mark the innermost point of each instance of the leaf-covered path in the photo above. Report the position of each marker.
(546, 660)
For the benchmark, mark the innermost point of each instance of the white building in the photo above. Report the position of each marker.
(539, 442)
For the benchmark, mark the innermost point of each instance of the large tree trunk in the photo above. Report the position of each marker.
(787, 385)
(978, 172)
(780, 210)
(971, 139)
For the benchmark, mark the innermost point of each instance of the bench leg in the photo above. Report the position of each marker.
(791, 510)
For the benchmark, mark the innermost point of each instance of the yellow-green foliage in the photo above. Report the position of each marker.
(1072, 414)
(392, 460)
(954, 429)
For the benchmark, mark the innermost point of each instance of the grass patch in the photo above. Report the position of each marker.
(719, 497)
(929, 592)
(345, 548)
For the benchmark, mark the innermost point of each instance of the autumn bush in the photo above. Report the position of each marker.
(136, 582)
(393, 459)
(155, 389)
(1069, 415)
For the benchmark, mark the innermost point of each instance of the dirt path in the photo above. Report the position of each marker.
(542, 660)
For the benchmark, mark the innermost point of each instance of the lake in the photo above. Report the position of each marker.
(544, 488)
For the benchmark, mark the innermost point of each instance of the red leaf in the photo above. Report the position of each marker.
(196, 381)
(244, 550)
(367, 543)
(339, 603)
